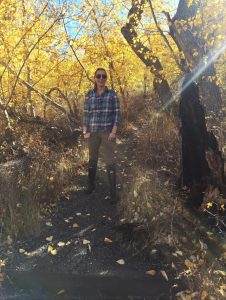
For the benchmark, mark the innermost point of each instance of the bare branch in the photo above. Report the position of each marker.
(163, 35)
(62, 96)
(76, 56)
(43, 96)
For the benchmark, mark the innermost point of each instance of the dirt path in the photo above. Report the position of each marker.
(82, 264)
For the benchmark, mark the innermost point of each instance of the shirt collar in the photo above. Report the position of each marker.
(105, 91)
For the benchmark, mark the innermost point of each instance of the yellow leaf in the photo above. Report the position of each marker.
(188, 263)
(75, 225)
(3, 262)
(50, 248)
(209, 204)
(220, 272)
(54, 252)
(51, 178)
(151, 272)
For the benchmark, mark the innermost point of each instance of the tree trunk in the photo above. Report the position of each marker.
(160, 84)
(202, 162)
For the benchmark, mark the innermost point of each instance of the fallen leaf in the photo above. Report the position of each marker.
(21, 250)
(220, 272)
(50, 248)
(204, 294)
(188, 263)
(173, 265)
(78, 214)
(61, 244)
(49, 238)
(179, 252)
(151, 272)
(75, 225)
(164, 275)
(135, 194)
(53, 252)
(66, 220)
(121, 261)
(153, 251)
(107, 240)
(49, 224)
(9, 240)
(89, 247)
(86, 242)
(61, 292)
(222, 290)
(3, 262)
(185, 295)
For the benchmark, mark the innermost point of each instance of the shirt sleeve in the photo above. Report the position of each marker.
(116, 110)
(86, 111)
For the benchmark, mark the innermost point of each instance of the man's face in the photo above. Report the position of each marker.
(100, 78)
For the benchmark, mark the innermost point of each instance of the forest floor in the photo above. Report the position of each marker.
(81, 254)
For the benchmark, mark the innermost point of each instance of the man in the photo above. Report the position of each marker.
(100, 122)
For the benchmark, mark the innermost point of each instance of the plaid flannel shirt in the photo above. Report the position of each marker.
(101, 112)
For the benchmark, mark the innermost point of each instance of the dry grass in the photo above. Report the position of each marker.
(159, 142)
(40, 178)
(170, 228)
(24, 185)
(173, 231)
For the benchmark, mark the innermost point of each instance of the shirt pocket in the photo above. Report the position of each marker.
(109, 104)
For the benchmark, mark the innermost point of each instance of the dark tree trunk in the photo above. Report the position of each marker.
(202, 162)
(160, 84)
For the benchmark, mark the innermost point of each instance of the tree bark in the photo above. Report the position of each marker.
(202, 162)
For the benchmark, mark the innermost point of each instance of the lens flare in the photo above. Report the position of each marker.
(202, 66)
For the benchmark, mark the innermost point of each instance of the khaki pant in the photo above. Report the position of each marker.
(98, 139)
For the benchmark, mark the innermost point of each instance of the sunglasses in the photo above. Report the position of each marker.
(103, 76)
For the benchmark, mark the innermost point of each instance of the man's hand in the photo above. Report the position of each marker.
(86, 135)
(112, 136)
